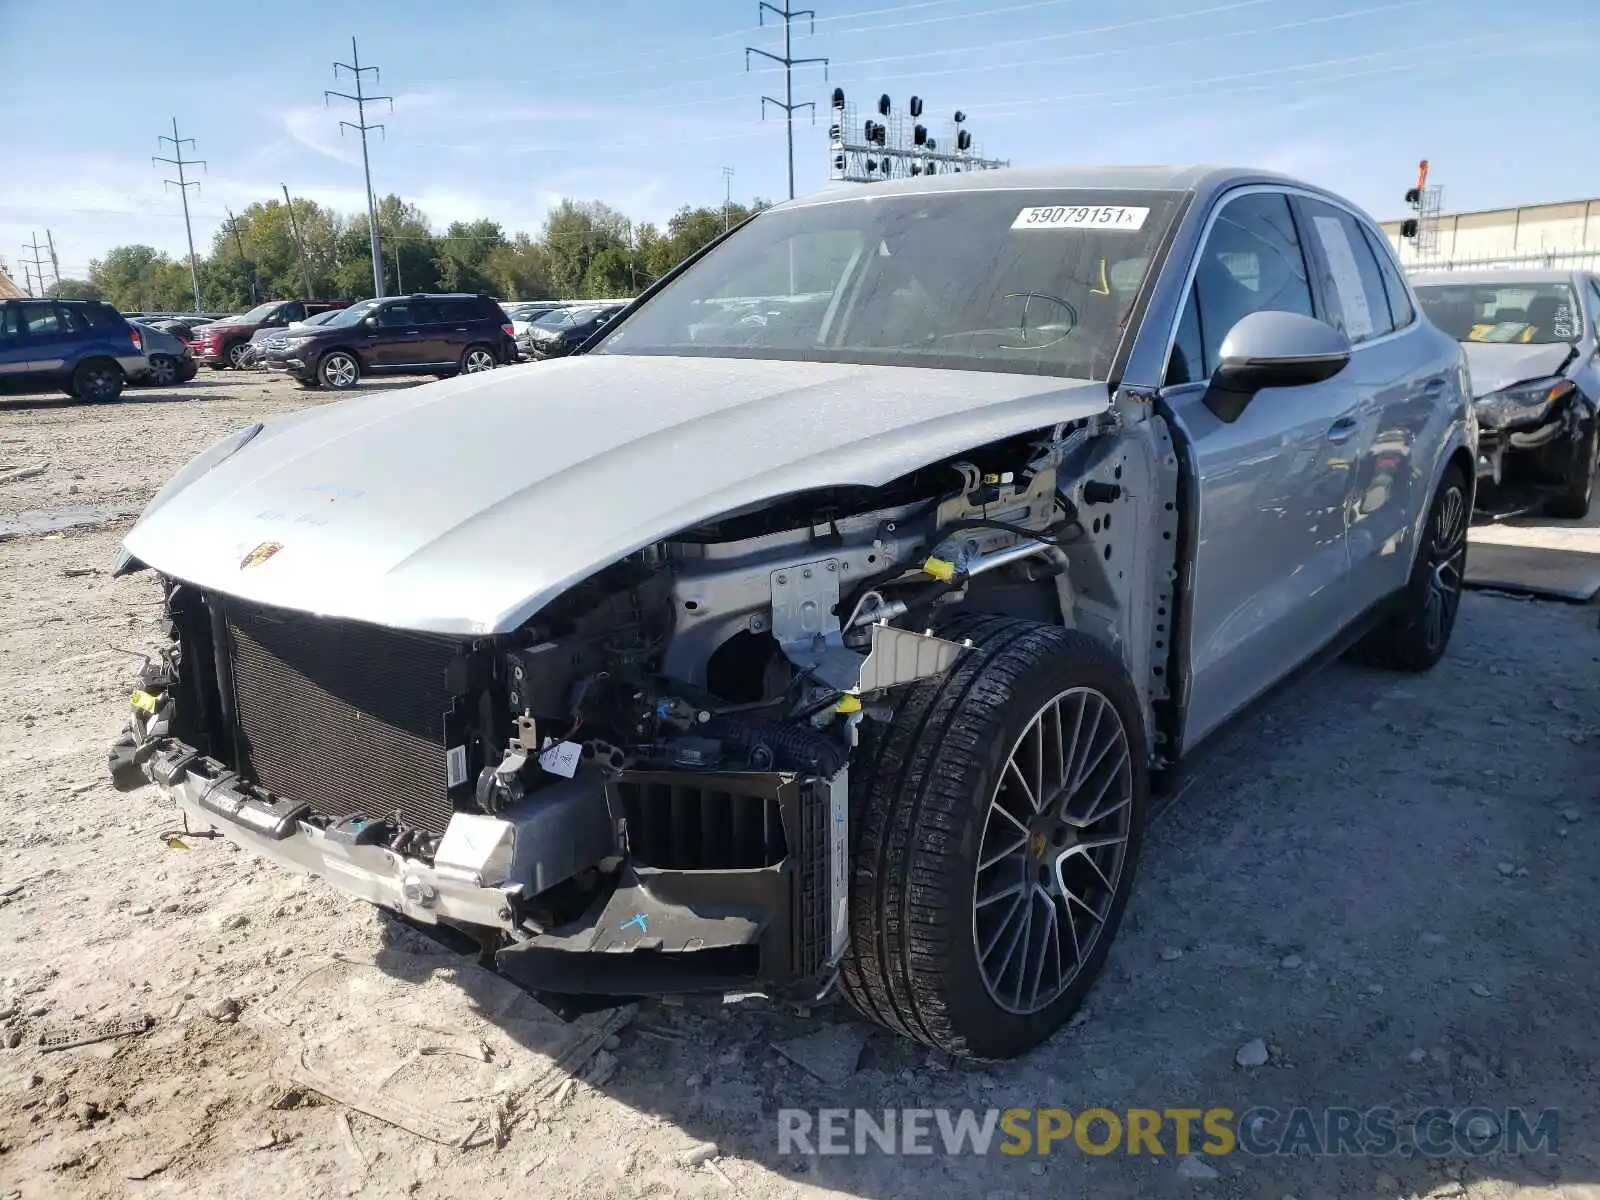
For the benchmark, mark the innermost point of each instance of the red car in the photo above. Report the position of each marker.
(222, 343)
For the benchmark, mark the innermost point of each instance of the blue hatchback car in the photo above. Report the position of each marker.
(85, 348)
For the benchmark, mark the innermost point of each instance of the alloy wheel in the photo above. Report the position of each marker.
(236, 354)
(478, 360)
(1053, 851)
(1447, 561)
(99, 383)
(163, 370)
(340, 371)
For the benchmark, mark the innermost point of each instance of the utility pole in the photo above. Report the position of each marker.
(238, 244)
(727, 196)
(789, 63)
(55, 263)
(305, 265)
(183, 184)
(360, 125)
(27, 279)
(38, 263)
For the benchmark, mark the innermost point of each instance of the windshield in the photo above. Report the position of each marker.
(1522, 313)
(259, 313)
(1020, 281)
(351, 315)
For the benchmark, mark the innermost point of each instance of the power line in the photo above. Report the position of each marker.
(360, 124)
(183, 184)
(789, 62)
(38, 264)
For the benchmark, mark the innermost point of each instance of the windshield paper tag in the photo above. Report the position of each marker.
(1081, 216)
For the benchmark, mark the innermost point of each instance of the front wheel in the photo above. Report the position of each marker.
(1577, 493)
(237, 354)
(997, 820)
(339, 371)
(477, 358)
(97, 381)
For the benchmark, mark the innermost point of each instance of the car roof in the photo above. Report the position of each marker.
(1200, 179)
(1511, 275)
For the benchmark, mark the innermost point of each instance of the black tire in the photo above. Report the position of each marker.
(163, 371)
(97, 381)
(922, 790)
(339, 370)
(474, 357)
(1573, 501)
(233, 353)
(188, 370)
(1410, 639)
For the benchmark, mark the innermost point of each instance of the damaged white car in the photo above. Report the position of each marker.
(829, 620)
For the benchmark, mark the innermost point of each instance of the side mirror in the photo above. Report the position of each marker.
(370, 322)
(1273, 350)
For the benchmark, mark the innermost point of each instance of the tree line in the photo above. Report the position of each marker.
(585, 250)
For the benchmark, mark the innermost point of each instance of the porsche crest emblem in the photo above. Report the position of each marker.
(260, 554)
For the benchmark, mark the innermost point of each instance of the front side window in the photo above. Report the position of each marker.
(1523, 312)
(1350, 276)
(1252, 261)
(1594, 305)
(1033, 282)
(395, 316)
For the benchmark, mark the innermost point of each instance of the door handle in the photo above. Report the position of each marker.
(1343, 429)
(1434, 386)
(461, 328)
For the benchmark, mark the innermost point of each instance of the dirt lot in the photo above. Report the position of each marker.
(1393, 882)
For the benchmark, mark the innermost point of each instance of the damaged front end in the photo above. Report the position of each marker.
(645, 787)
(1529, 432)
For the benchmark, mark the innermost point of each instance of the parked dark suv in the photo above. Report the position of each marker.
(85, 348)
(424, 334)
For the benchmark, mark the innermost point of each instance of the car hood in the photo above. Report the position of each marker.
(1496, 365)
(466, 506)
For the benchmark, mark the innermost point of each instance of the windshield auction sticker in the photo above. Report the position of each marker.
(1081, 216)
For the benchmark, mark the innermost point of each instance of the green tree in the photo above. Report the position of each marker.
(520, 270)
(463, 255)
(142, 279)
(74, 289)
(575, 233)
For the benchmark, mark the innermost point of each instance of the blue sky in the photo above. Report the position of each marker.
(501, 107)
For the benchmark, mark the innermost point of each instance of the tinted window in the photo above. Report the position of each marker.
(1350, 275)
(1251, 262)
(10, 327)
(98, 316)
(458, 309)
(396, 315)
(1400, 311)
(43, 320)
(1030, 282)
(1519, 311)
(1594, 304)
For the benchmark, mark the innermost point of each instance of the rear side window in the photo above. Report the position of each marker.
(10, 325)
(1350, 275)
(43, 320)
(1401, 313)
(100, 317)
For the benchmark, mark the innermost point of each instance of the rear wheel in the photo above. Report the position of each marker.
(97, 381)
(1576, 495)
(477, 358)
(163, 371)
(997, 821)
(339, 370)
(1416, 636)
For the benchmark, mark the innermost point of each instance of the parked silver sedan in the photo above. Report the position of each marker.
(830, 619)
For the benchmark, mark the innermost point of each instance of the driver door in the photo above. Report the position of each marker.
(1271, 580)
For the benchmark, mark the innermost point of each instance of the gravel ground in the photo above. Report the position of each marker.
(1391, 882)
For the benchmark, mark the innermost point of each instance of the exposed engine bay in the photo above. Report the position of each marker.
(659, 759)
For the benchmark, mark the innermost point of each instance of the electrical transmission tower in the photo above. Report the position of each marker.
(38, 263)
(727, 196)
(183, 184)
(789, 63)
(360, 125)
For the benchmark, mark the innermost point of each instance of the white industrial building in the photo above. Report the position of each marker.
(1555, 235)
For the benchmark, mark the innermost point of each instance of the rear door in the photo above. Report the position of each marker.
(408, 337)
(1399, 387)
(1271, 577)
(460, 324)
(50, 337)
